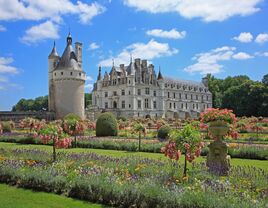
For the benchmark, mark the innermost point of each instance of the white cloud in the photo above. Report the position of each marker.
(149, 51)
(262, 38)
(5, 70)
(46, 30)
(244, 37)
(207, 10)
(93, 46)
(49, 9)
(209, 62)
(5, 67)
(89, 78)
(89, 87)
(242, 56)
(2, 28)
(265, 54)
(173, 33)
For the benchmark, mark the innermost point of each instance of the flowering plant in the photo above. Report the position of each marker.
(187, 141)
(216, 114)
(1, 129)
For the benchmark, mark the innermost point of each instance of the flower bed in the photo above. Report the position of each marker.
(131, 181)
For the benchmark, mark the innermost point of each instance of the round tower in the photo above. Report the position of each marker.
(53, 60)
(68, 80)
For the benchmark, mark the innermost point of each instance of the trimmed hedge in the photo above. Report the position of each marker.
(106, 125)
(6, 127)
(163, 132)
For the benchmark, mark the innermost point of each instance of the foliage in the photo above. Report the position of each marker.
(163, 132)
(131, 181)
(71, 116)
(225, 94)
(106, 125)
(37, 104)
(6, 127)
(215, 114)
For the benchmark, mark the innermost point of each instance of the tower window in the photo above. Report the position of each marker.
(61, 73)
(55, 74)
(71, 73)
(123, 104)
(79, 74)
(146, 104)
(139, 103)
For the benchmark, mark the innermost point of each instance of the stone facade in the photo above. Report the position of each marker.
(66, 81)
(136, 91)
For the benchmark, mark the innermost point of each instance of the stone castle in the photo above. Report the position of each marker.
(137, 91)
(66, 79)
(134, 90)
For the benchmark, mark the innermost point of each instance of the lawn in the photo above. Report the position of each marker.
(158, 156)
(11, 197)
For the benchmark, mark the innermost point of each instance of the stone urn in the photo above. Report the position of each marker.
(218, 161)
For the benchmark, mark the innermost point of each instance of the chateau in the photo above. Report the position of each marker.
(66, 81)
(137, 91)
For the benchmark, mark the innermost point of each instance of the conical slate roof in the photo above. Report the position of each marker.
(159, 75)
(53, 52)
(68, 59)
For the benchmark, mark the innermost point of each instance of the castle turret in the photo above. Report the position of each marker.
(53, 60)
(66, 91)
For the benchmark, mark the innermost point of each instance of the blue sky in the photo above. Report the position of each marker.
(186, 38)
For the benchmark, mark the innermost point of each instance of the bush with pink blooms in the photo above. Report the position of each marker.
(74, 128)
(54, 133)
(216, 114)
(186, 141)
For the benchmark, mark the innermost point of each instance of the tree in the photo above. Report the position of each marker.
(139, 128)
(265, 79)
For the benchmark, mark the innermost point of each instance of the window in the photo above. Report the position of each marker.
(207, 105)
(180, 95)
(154, 104)
(168, 94)
(174, 105)
(128, 81)
(80, 74)
(170, 105)
(123, 92)
(196, 97)
(186, 106)
(55, 74)
(197, 106)
(129, 92)
(191, 96)
(106, 94)
(139, 103)
(71, 73)
(61, 73)
(207, 97)
(174, 95)
(185, 96)
(139, 91)
(129, 105)
(123, 104)
(154, 93)
(147, 91)
(193, 106)
(114, 93)
(106, 104)
(146, 103)
(182, 105)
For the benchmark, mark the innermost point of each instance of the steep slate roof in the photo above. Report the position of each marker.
(53, 52)
(68, 59)
(170, 80)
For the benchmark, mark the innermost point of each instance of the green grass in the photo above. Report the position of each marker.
(11, 197)
(243, 162)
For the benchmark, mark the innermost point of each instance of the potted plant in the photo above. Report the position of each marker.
(220, 123)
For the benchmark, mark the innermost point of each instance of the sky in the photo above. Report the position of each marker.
(185, 38)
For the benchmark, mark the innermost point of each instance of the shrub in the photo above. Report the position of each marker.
(122, 118)
(72, 116)
(163, 132)
(6, 127)
(106, 125)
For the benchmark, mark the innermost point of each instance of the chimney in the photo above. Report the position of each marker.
(78, 52)
(144, 63)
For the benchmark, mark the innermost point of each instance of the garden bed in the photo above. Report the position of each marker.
(131, 181)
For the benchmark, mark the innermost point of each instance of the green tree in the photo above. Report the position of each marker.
(265, 79)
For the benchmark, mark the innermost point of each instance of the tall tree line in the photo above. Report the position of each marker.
(241, 94)
(41, 103)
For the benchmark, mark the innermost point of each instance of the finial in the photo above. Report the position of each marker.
(130, 57)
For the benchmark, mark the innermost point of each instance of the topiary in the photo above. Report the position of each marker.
(106, 125)
(72, 116)
(6, 127)
(163, 132)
